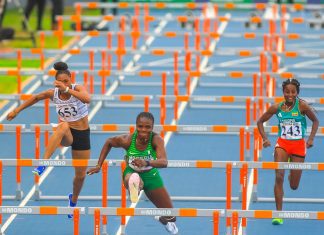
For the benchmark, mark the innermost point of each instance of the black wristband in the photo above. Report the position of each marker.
(147, 162)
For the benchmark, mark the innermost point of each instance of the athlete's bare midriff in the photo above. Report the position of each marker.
(81, 124)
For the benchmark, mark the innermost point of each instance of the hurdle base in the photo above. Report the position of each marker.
(61, 156)
(104, 230)
(122, 230)
(228, 230)
(243, 231)
(254, 196)
(37, 195)
(19, 195)
(9, 197)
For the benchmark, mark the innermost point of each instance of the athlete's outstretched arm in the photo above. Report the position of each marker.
(309, 112)
(265, 117)
(31, 101)
(120, 141)
(161, 156)
(80, 92)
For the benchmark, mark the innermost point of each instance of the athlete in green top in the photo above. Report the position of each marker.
(145, 152)
(291, 144)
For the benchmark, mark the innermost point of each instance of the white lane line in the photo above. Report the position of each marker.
(182, 107)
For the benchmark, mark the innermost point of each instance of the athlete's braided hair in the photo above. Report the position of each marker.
(292, 81)
(296, 83)
(147, 115)
(61, 68)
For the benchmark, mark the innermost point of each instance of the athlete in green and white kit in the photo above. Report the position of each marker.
(145, 152)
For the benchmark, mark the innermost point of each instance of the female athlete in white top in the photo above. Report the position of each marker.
(71, 105)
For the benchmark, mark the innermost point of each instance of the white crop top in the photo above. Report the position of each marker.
(69, 110)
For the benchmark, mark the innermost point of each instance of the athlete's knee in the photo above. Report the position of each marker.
(62, 127)
(80, 176)
(279, 178)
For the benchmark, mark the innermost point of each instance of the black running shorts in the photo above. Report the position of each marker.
(81, 139)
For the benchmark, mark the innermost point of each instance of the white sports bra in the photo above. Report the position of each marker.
(69, 110)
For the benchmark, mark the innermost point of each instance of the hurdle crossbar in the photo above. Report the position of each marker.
(192, 5)
(171, 164)
(184, 18)
(150, 73)
(173, 98)
(194, 212)
(242, 52)
(12, 127)
(181, 212)
(174, 198)
(45, 210)
(172, 34)
(181, 129)
(200, 164)
(40, 210)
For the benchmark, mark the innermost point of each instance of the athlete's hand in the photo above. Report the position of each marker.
(12, 115)
(60, 85)
(139, 162)
(94, 170)
(309, 143)
(266, 143)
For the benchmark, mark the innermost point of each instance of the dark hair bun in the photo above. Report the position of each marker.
(60, 66)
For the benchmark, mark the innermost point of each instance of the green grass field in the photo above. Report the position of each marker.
(13, 18)
(9, 84)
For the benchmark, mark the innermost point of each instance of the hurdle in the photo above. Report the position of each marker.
(181, 50)
(229, 74)
(215, 214)
(188, 75)
(241, 131)
(180, 129)
(18, 129)
(45, 210)
(193, 5)
(172, 98)
(187, 164)
(194, 212)
(183, 18)
(174, 164)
